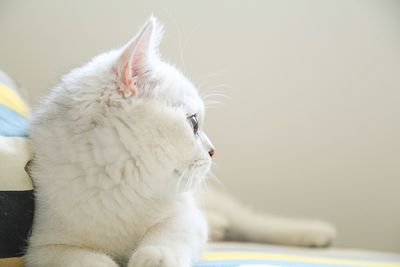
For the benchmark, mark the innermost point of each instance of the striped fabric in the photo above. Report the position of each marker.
(16, 192)
(251, 255)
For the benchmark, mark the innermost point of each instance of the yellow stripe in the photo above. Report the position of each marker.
(215, 256)
(12, 100)
(11, 262)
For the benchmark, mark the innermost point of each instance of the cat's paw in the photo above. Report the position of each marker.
(316, 234)
(153, 256)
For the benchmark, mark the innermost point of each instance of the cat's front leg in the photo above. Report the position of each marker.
(175, 242)
(63, 255)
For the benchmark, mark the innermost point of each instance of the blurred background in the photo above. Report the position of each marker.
(310, 124)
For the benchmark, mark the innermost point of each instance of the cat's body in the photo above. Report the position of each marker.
(119, 148)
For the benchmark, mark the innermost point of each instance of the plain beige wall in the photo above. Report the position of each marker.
(310, 125)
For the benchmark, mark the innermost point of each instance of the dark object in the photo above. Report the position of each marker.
(16, 216)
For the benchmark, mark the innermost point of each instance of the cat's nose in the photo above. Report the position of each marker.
(211, 152)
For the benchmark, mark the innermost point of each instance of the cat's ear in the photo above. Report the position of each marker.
(137, 56)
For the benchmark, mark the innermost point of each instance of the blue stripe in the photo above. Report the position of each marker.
(12, 123)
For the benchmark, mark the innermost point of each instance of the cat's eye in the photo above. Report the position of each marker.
(194, 123)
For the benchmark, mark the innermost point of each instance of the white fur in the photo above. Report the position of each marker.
(113, 171)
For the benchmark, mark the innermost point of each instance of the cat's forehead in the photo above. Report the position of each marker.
(184, 96)
(178, 91)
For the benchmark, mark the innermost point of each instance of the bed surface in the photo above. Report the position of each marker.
(257, 255)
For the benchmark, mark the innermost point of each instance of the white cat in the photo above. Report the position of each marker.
(119, 149)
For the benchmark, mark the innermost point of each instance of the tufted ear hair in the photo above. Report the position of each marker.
(137, 55)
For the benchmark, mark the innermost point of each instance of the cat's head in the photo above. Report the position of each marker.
(141, 117)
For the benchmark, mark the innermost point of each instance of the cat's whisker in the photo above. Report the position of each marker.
(222, 85)
(207, 77)
(214, 177)
(212, 173)
(180, 179)
(213, 96)
(186, 179)
(209, 107)
(210, 99)
(178, 184)
(218, 88)
(191, 182)
(203, 186)
(215, 165)
(212, 102)
(214, 93)
(187, 187)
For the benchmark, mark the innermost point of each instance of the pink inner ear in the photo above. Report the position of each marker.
(130, 85)
(139, 57)
(135, 59)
